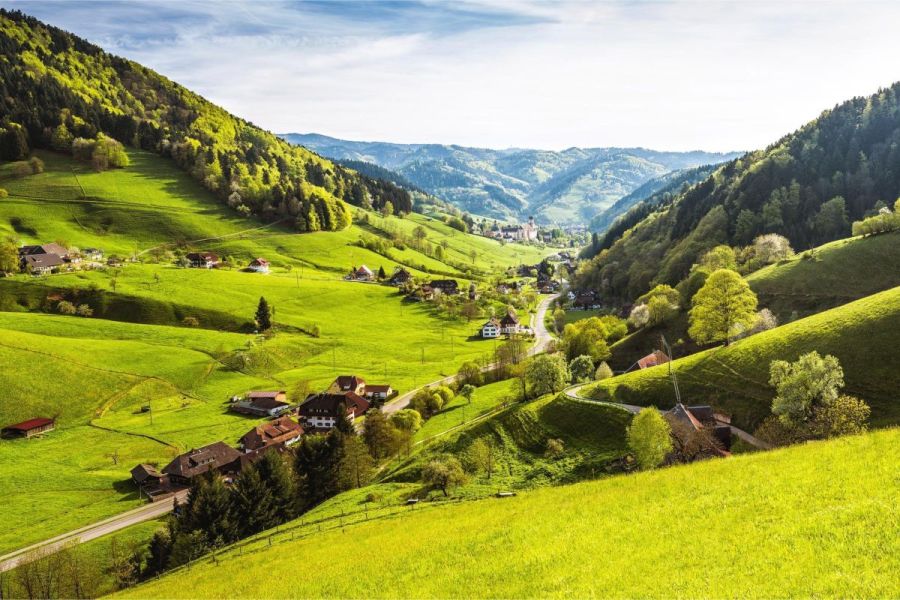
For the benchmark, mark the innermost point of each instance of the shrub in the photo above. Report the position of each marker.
(555, 448)
(84, 310)
(581, 369)
(65, 307)
(190, 322)
(649, 438)
(603, 371)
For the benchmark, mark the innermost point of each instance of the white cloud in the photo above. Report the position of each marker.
(674, 75)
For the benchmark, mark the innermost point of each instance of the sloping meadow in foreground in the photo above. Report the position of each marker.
(814, 520)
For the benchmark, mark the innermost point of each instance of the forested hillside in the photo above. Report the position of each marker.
(569, 186)
(809, 186)
(59, 91)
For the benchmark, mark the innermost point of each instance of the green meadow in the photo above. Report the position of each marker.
(825, 526)
(735, 378)
(97, 374)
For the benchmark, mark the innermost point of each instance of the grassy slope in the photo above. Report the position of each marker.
(842, 271)
(862, 334)
(815, 520)
(95, 374)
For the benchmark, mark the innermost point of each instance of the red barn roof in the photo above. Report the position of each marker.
(31, 424)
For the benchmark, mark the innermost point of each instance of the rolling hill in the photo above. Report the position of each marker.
(570, 186)
(735, 378)
(95, 374)
(808, 186)
(813, 520)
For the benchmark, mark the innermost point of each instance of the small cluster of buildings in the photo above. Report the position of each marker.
(43, 259)
(348, 397)
(211, 260)
(526, 232)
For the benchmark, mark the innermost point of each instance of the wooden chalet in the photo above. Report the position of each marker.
(445, 286)
(262, 404)
(322, 411)
(216, 457)
(400, 277)
(29, 428)
(259, 265)
(348, 383)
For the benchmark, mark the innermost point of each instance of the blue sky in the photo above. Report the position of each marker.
(673, 75)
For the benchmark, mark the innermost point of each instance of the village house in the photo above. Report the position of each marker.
(203, 260)
(29, 428)
(282, 431)
(259, 265)
(261, 404)
(347, 383)
(41, 264)
(322, 411)
(363, 273)
(150, 481)
(446, 286)
(94, 254)
(218, 457)
(491, 329)
(400, 277)
(657, 357)
(509, 324)
(378, 392)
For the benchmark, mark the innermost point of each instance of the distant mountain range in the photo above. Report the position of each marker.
(571, 186)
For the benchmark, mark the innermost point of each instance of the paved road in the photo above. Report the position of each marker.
(90, 532)
(542, 338)
(572, 392)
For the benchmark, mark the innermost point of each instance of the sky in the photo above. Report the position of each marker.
(668, 75)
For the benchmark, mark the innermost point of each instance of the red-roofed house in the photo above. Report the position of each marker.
(203, 260)
(378, 392)
(657, 357)
(348, 383)
(260, 265)
(29, 428)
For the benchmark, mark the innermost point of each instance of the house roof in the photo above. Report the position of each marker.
(378, 388)
(329, 404)
(657, 357)
(349, 382)
(364, 269)
(43, 260)
(267, 394)
(275, 432)
(199, 461)
(682, 413)
(267, 403)
(30, 424)
(260, 261)
(442, 283)
(143, 472)
(203, 255)
(51, 248)
(509, 319)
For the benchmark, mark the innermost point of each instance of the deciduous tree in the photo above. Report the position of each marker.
(724, 302)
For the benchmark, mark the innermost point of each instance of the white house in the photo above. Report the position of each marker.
(491, 329)
(260, 265)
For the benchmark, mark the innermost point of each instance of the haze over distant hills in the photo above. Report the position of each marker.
(570, 186)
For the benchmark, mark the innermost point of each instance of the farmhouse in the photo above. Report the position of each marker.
(348, 383)
(400, 277)
(29, 428)
(92, 254)
(509, 324)
(260, 265)
(657, 357)
(322, 411)
(378, 392)
(446, 286)
(261, 404)
(214, 457)
(363, 273)
(41, 264)
(491, 329)
(150, 481)
(281, 431)
(203, 260)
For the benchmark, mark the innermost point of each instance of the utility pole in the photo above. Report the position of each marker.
(674, 379)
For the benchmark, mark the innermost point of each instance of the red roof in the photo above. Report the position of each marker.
(31, 424)
(658, 357)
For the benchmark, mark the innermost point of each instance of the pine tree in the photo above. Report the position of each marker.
(278, 479)
(252, 504)
(263, 315)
